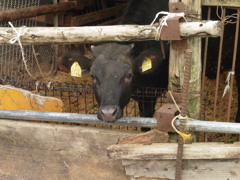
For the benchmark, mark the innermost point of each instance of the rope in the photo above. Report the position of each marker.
(163, 21)
(227, 87)
(21, 32)
(185, 136)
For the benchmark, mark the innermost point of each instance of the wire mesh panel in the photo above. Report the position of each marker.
(39, 58)
(79, 97)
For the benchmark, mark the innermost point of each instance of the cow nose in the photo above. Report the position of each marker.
(109, 113)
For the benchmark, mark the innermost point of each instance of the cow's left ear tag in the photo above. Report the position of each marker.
(76, 70)
(147, 64)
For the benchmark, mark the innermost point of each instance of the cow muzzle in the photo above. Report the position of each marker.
(109, 113)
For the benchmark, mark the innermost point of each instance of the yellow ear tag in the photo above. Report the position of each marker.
(147, 64)
(76, 70)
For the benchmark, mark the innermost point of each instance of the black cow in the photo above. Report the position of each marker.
(117, 68)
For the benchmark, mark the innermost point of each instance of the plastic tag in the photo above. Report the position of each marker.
(147, 64)
(76, 70)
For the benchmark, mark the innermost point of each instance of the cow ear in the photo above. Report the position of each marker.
(149, 61)
(77, 59)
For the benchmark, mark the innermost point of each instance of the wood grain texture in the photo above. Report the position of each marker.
(153, 136)
(231, 3)
(91, 34)
(167, 151)
(40, 151)
(192, 169)
(16, 14)
(177, 61)
(98, 15)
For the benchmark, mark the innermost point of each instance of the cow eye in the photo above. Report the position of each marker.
(129, 76)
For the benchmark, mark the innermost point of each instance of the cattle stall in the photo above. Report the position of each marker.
(68, 147)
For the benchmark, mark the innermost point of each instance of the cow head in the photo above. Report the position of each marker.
(112, 75)
(113, 71)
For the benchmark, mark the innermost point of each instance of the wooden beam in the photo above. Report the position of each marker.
(91, 34)
(201, 161)
(167, 151)
(16, 14)
(231, 3)
(98, 15)
(193, 169)
(54, 151)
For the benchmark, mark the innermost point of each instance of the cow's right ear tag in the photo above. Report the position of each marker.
(76, 70)
(147, 64)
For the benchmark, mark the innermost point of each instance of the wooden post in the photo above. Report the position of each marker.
(176, 64)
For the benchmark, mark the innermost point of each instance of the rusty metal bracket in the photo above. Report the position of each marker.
(167, 112)
(171, 32)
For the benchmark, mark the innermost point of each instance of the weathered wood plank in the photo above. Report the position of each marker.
(153, 136)
(16, 14)
(40, 151)
(231, 3)
(163, 151)
(192, 169)
(91, 34)
(98, 15)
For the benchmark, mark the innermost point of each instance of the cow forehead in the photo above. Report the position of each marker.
(111, 59)
(105, 68)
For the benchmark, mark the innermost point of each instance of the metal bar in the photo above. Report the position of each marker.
(74, 118)
(185, 94)
(219, 65)
(191, 125)
(211, 126)
(54, 64)
(233, 65)
(204, 70)
(233, 69)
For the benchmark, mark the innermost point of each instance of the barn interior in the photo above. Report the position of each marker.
(43, 74)
(54, 149)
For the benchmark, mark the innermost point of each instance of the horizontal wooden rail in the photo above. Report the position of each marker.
(168, 151)
(201, 161)
(98, 15)
(16, 14)
(91, 34)
(231, 3)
